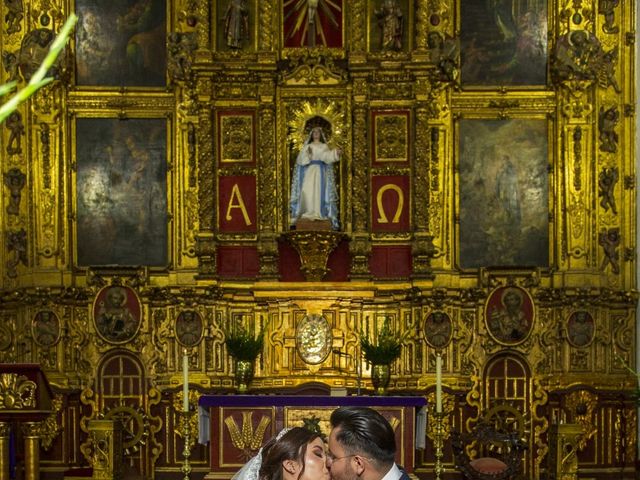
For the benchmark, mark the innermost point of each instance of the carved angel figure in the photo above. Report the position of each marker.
(607, 121)
(606, 182)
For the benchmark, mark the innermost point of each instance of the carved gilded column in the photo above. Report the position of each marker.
(268, 190)
(422, 26)
(4, 449)
(205, 241)
(267, 15)
(422, 246)
(198, 13)
(357, 14)
(360, 244)
(106, 456)
(31, 434)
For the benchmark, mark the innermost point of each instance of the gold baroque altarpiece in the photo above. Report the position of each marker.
(222, 123)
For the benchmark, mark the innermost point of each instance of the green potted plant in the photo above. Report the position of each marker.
(244, 347)
(381, 352)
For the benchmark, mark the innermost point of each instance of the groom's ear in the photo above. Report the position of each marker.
(290, 466)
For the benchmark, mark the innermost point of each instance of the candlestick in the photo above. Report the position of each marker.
(438, 383)
(185, 381)
(188, 441)
(438, 441)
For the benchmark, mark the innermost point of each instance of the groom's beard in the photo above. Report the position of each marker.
(347, 473)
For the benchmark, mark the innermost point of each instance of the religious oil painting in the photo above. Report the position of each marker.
(580, 328)
(312, 23)
(121, 43)
(503, 193)
(45, 328)
(121, 188)
(503, 42)
(117, 314)
(189, 328)
(438, 329)
(509, 314)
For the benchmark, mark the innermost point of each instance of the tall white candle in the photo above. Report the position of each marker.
(438, 384)
(185, 381)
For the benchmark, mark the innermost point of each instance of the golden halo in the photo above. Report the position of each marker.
(311, 114)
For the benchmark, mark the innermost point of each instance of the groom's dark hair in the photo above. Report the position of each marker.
(364, 431)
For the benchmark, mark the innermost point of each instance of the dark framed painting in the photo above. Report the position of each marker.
(117, 314)
(580, 328)
(45, 328)
(509, 314)
(189, 328)
(121, 191)
(121, 43)
(438, 329)
(317, 23)
(503, 42)
(503, 183)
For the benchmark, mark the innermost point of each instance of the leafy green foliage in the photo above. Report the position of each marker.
(385, 349)
(242, 345)
(38, 80)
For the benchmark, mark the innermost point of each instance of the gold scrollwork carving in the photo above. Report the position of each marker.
(314, 249)
(17, 392)
(50, 427)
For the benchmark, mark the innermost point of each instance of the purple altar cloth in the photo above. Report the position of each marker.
(308, 401)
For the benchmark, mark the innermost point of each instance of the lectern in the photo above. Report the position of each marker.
(240, 424)
(25, 400)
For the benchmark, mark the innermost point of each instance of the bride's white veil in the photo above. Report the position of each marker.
(251, 469)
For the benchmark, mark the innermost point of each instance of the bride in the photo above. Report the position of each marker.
(294, 454)
(313, 187)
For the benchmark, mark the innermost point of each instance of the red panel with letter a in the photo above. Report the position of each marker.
(237, 204)
(390, 199)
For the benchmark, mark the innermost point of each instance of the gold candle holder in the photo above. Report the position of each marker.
(438, 443)
(186, 451)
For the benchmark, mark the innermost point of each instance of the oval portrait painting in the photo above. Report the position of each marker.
(437, 329)
(117, 314)
(580, 328)
(189, 328)
(45, 328)
(314, 339)
(509, 314)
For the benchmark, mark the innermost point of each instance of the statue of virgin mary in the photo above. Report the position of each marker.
(314, 195)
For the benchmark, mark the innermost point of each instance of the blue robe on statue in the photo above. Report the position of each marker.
(314, 195)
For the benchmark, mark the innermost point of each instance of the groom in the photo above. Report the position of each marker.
(362, 446)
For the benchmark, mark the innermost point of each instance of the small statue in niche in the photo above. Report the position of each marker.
(17, 246)
(606, 182)
(314, 194)
(606, 71)
(390, 20)
(609, 240)
(607, 121)
(576, 56)
(15, 180)
(443, 53)
(606, 8)
(15, 126)
(14, 15)
(10, 64)
(180, 47)
(236, 23)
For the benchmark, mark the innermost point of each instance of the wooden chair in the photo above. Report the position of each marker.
(497, 455)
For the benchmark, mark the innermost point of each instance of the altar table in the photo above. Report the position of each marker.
(240, 424)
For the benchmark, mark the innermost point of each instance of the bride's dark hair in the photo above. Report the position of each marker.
(291, 446)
